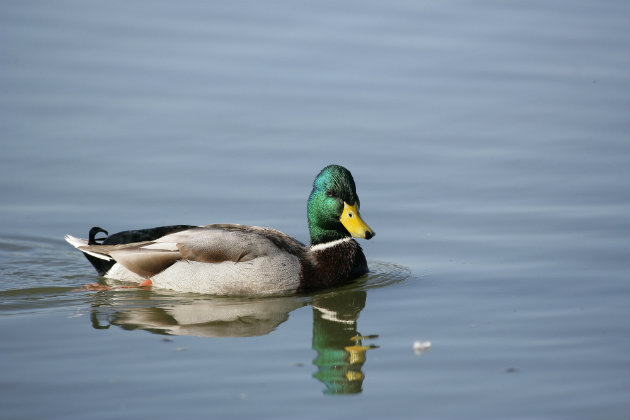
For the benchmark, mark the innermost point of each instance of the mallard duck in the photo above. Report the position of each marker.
(232, 259)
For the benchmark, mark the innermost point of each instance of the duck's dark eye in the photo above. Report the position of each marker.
(329, 193)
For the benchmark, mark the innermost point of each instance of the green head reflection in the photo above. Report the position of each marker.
(340, 348)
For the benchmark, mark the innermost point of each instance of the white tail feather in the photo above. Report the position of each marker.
(75, 242)
(78, 243)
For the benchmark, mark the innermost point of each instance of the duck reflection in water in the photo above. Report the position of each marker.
(212, 317)
(340, 348)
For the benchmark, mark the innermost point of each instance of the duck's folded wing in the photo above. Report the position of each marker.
(221, 243)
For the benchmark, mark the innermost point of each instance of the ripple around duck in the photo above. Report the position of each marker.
(382, 274)
(46, 288)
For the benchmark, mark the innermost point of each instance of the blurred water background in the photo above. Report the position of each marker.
(490, 145)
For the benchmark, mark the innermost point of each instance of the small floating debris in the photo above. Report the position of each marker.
(181, 349)
(420, 346)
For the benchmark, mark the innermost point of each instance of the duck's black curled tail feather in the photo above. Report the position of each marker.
(92, 240)
(101, 266)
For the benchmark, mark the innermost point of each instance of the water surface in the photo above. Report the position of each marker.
(489, 143)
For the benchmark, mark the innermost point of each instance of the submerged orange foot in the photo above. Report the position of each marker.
(142, 285)
(146, 283)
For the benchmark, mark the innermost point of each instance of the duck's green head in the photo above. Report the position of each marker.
(333, 207)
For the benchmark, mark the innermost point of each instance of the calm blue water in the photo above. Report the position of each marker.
(490, 146)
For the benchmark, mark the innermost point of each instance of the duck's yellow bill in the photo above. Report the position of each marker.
(352, 221)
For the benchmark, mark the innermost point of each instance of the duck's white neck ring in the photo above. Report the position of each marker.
(326, 245)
